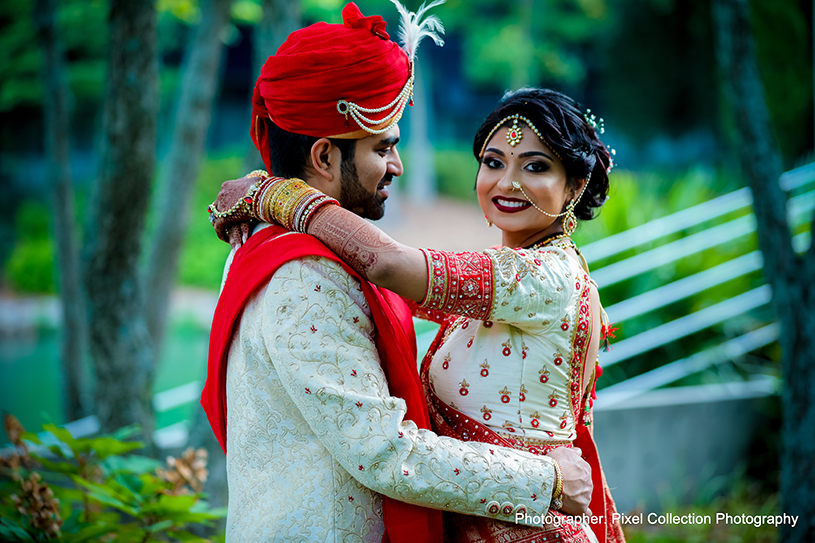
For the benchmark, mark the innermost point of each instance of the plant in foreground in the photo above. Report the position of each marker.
(94, 489)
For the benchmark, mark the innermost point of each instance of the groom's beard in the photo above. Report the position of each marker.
(355, 198)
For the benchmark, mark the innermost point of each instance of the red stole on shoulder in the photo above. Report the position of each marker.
(252, 267)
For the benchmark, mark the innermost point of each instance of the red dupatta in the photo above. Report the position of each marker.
(253, 266)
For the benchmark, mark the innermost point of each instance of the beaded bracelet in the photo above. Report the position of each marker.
(242, 209)
(238, 212)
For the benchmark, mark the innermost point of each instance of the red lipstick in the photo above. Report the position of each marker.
(510, 205)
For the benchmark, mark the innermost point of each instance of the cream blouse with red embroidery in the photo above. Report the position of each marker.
(513, 360)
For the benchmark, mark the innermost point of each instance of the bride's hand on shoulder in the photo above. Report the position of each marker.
(234, 228)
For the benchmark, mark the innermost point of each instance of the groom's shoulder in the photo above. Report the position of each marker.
(316, 274)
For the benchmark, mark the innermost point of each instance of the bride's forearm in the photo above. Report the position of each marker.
(371, 252)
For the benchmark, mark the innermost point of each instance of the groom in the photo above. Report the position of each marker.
(327, 429)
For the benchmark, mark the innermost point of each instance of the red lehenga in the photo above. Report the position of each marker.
(477, 275)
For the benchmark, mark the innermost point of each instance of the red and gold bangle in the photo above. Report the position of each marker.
(257, 203)
(291, 203)
(280, 199)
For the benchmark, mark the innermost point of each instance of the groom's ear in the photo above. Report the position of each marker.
(324, 160)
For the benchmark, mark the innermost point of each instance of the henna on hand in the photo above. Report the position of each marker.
(357, 242)
(231, 191)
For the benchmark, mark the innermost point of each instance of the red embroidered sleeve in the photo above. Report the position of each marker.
(459, 283)
(424, 313)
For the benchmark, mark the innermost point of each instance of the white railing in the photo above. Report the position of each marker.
(799, 211)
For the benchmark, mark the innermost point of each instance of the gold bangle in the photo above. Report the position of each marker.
(269, 199)
(558, 491)
(281, 201)
(288, 202)
(296, 191)
(277, 201)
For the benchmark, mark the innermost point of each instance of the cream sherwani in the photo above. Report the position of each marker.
(314, 437)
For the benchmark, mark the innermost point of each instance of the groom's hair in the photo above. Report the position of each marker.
(290, 152)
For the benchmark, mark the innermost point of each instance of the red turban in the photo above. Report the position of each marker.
(319, 66)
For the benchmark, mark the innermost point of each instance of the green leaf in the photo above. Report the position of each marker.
(61, 434)
(160, 526)
(126, 432)
(65, 494)
(89, 533)
(57, 450)
(123, 491)
(181, 509)
(185, 536)
(103, 446)
(72, 522)
(108, 446)
(56, 467)
(152, 485)
(104, 495)
(132, 464)
(13, 531)
(106, 499)
(217, 512)
(167, 505)
(32, 437)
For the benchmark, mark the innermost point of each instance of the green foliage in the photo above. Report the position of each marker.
(743, 499)
(83, 30)
(203, 254)
(20, 62)
(657, 69)
(786, 70)
(455, 172)
(30, 266)
(526, 43)
(100, 490)
(184, 10)
(246, 11)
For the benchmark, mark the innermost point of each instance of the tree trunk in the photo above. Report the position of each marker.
(55, 107)
(119, 340)
(280, 18)
(192, 120)
(789, 275)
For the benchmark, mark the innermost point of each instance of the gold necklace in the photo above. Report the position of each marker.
(549, 240)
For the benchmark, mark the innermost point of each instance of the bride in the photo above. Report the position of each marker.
(515, 360)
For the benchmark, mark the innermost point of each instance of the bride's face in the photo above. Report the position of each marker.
(543, 180)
